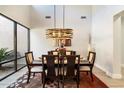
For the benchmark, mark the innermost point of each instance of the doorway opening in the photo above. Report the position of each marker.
(118, 43)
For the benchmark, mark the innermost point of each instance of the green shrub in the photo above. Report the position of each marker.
(3, 54)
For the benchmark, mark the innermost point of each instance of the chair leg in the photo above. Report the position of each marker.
(77, 82)
(91, 75)
(87, 72)
(62, 81)
(42, 77)
(78, 79)
(79, 76)
(33, 74)
(43, 84)
(28, 77)
(63, 85)
(58, 83)
(63, 77)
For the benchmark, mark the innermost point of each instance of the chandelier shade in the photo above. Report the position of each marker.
(60, 33)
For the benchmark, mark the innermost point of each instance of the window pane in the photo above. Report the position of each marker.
(21, 63)
(6, 33)
(22, 40)
(22, 44)
(6, 41)
(6, 69)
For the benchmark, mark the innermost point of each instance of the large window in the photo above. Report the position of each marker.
(22, 44)
(6, 41)
(14, 37)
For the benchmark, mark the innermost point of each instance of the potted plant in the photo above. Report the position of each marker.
(3, 53)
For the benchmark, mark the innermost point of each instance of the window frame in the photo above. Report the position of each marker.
(15, 45)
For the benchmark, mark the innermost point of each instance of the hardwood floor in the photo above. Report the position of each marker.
(86, 82)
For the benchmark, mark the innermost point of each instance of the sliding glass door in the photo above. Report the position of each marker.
(6, 43)
(14, 42)
(22, 45)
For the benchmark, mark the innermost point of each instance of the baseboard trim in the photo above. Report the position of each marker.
(112, 75)
(117, 76)
(101, 68)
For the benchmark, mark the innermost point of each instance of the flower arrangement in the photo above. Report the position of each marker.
(61, 51)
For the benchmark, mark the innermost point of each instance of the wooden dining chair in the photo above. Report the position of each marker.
(32, 67)
(53, 53)
(88, 65)
(71, 69)
(50, 68)
(70, 52)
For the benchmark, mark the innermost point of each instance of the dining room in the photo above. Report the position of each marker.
(48, 44)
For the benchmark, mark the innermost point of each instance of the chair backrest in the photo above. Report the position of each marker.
(49, 61)
(53, 53)
(91, 57)
(70, 53)
(73, 52)
(29, 57)
(71, 68)
(57, 53)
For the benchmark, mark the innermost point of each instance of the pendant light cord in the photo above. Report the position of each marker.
(63, 16)
(54, 16)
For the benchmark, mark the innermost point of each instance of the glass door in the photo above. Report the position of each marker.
(22, 45)
(7, 64)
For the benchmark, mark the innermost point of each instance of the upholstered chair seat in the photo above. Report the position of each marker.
(37, 69)
(86, 62)
(37, 62)
(85, 68)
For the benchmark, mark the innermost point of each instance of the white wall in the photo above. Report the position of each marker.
(20, 13)
(82, 27)
(102, 38)
(39, 44)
